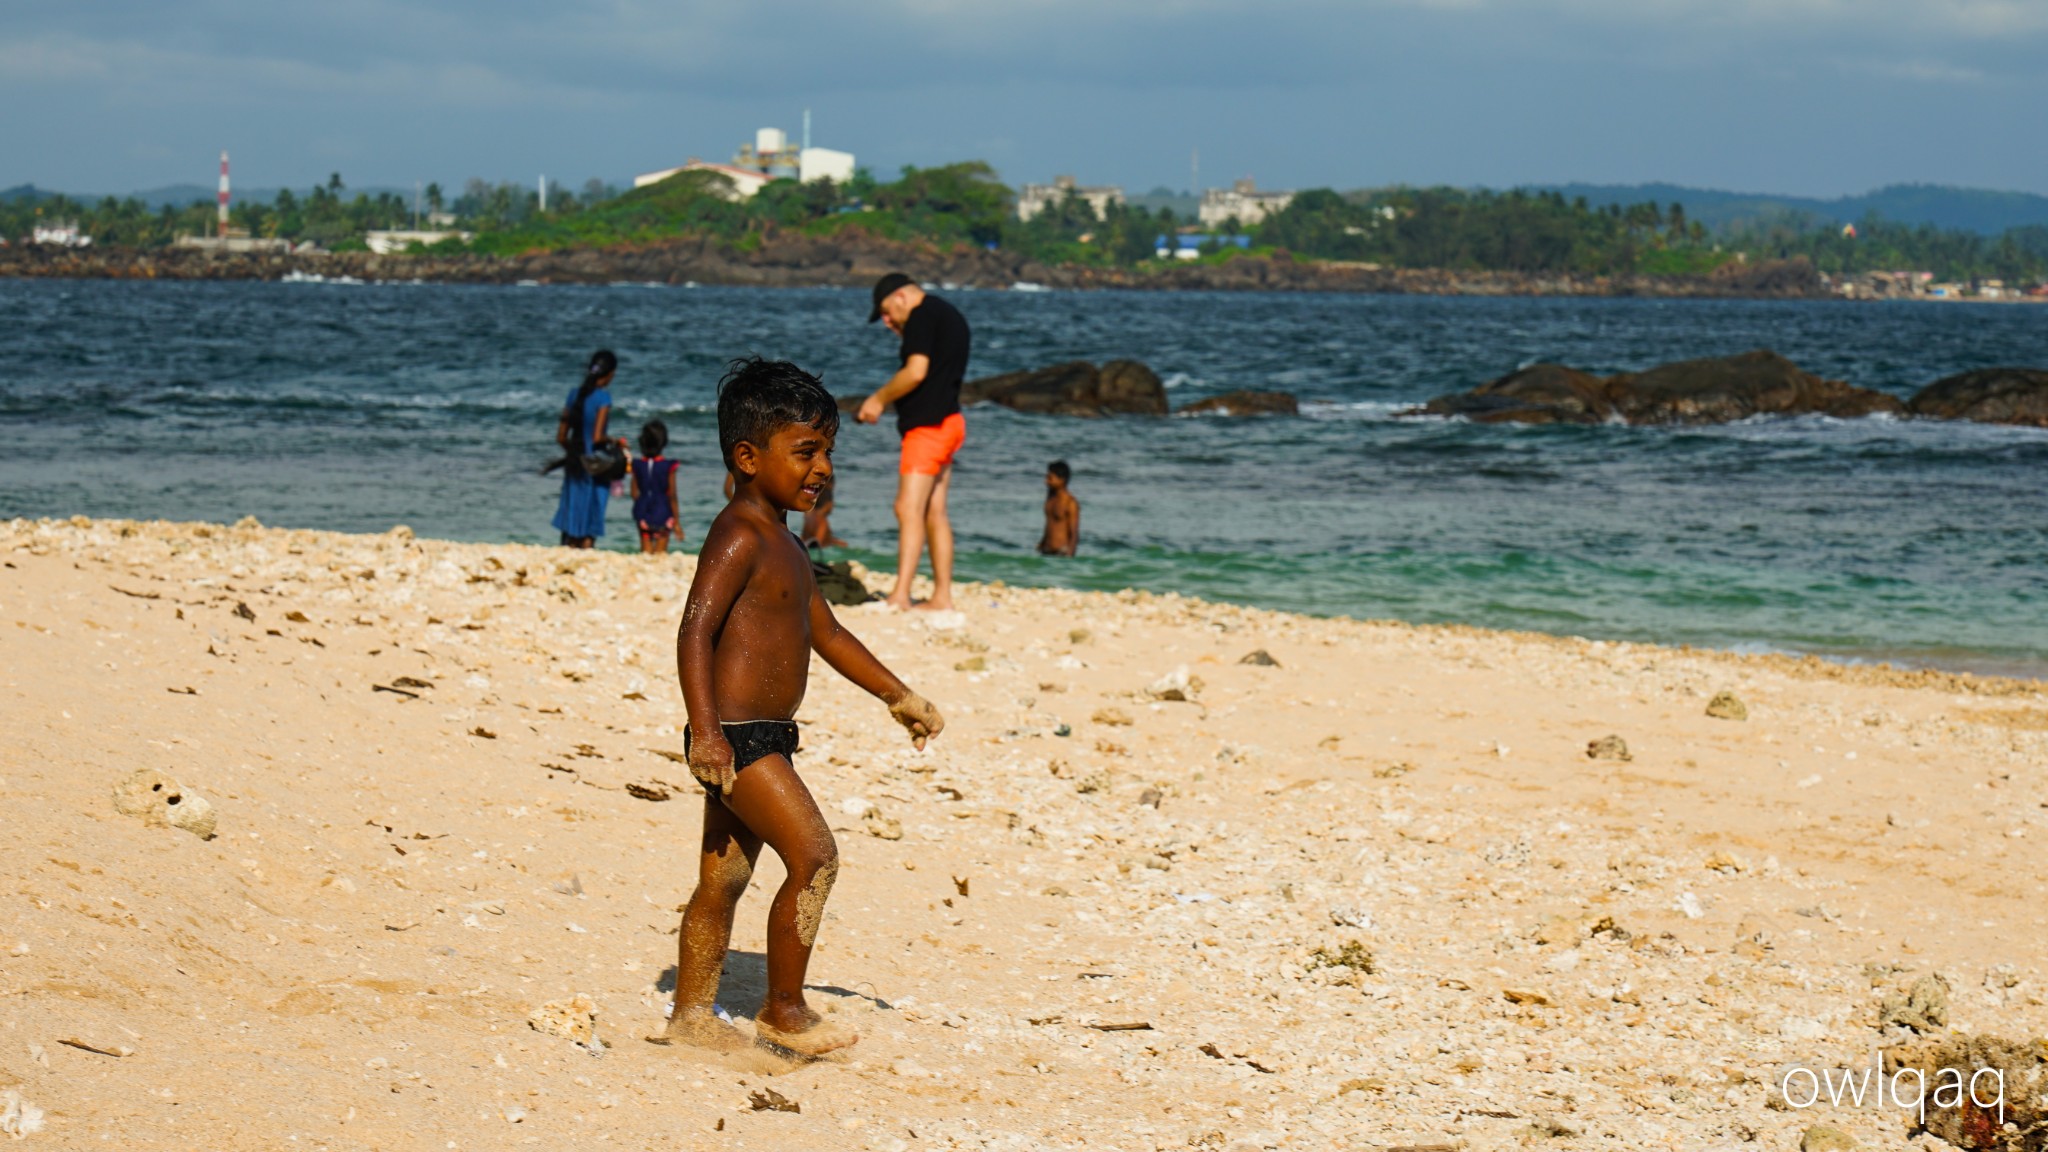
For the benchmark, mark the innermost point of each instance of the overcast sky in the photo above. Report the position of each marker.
(1814, 97)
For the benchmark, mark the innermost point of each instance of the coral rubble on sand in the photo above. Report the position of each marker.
(1367, 889)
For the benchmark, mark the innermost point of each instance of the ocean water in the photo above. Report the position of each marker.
(356, 407)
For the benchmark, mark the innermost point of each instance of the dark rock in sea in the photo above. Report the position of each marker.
(1989, 395)
(1540, 394)
(1725, 388)
(1716, 390)
(1245, 403)
(1129, 386)
(1079, 388)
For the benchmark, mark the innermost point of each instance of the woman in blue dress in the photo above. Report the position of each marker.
(580, 514)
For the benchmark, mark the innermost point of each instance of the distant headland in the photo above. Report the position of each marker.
(958, 224)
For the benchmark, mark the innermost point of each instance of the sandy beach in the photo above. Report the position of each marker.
(1142, 894)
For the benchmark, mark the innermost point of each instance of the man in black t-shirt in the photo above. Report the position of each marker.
(926, 392)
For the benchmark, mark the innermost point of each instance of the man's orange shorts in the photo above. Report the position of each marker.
(927, 450)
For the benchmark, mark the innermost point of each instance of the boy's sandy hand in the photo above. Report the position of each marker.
(918, 715)
(711, 763)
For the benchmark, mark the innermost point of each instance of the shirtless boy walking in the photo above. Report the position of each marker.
(753, 618)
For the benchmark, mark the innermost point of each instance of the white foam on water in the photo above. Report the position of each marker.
(1358, 410)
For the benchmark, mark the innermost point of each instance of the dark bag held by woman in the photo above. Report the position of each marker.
(604, 463)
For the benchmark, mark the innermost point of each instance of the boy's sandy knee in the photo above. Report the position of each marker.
(810, 900)
(728, 878)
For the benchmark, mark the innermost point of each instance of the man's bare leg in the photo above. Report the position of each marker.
(939, 530)
(913, 497)
(724, 869)
(772, 800)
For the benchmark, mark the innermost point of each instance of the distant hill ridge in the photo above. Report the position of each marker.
(184, 195)
(1968, 209)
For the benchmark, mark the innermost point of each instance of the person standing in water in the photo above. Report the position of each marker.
(926, 393)
(579, 515)
(1062, 513)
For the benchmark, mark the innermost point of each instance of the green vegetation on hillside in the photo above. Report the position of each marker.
(1515, 231)
(955, 204)
(966, 204)
(2017, 256)
(325, 215)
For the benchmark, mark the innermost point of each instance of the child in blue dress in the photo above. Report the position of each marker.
(654, 490)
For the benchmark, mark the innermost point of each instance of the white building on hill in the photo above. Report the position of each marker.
(745, 181)
(1036, 198)
(770, 155)
(60, 233)
(1243, 201)
(384, 242)
(824, 164)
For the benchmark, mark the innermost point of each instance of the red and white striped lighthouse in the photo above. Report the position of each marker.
(223, 195)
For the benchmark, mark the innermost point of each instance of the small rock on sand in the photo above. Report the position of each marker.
(574, 1019)
(162, 802)
(1176, 685)
(881, 827)
(18, 1117)
(1259, 657)
(1825, 1138)
(1608, 748)
(841, 585)
(2015, 1072)
(1923, 1007)
(769, 1100)
(1111, 717)
(1726, 861)
(1727, 706)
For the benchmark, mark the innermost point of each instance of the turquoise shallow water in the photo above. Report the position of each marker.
(355, 407)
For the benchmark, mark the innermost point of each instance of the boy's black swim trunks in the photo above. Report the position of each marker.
(752, 740)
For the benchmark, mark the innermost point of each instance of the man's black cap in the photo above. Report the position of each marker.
(883, 288)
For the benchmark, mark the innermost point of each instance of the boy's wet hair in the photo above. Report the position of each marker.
(756, 397)
(653, 438)
(1059, 468)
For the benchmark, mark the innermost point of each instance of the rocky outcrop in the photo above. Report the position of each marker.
(1244, 403)
(1715, 390)
(852, 257)
(1721, 389)
(1120, 387)
(1540, 394)
(1989, 395)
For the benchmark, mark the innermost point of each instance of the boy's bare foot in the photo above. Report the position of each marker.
(815, 1037)
(902, 605)
(935, 604)
(700, 1028)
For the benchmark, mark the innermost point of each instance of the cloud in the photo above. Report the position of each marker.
(126, 70)
(1918, 71)
(499, 55)
(1329, 91)
(1962, 19)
